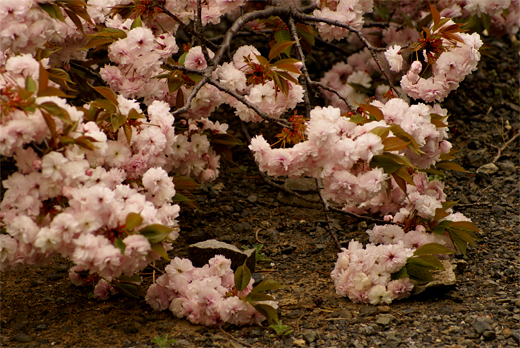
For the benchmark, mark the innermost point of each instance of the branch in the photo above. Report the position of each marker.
(192, 95)
(89, 71)
(181, 68)
(306, 80)
(332, 90)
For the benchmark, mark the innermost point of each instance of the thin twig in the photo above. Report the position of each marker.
(332, 90)
(503, 148)
(192, 95)
(305, 80)
(182, 68)
(88, 71)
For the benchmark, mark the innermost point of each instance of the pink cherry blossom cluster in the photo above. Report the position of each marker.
(339, 151)
(203, 295)
(348, 12)
(364, 274)
(448, 71)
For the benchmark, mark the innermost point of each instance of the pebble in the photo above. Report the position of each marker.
(22, 338)
(299, 343)
(310, 336)
(384, 319)
(368, 310)
(252, 198)
(54, 276)
(482, 324)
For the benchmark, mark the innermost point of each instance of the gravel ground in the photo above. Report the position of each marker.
(41, 308)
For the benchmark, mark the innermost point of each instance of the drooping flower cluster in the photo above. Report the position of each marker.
(364, 274)
(339, 151)
(448, 70)
(203, 295)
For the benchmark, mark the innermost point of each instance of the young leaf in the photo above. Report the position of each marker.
(159, 249)
(155, 233)
(118, 243)
(433, 248)
(425, 261)
(259, 297)
(372, 110)
(269, 312)
(450, 166)
(402, 273)
(43, 80)
(388, 164)
(279, 47)
(137, 23)
(394, 144)
(30, 84)
(267, 285)
(242, 277)
(133, 220)
(107, 93)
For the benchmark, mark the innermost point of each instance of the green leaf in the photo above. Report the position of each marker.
(418, 273)
(267, 285)
(399, 159)
(43, 79)
(134, 115)
(381, 132)
(401, 134)
(358, 119)
(130, 290)
(118, 243)
(459, 242)
(259, 297)
(425, 261)
(179, 197)
(53, 92)
(128, 132)
(174, 84)
(195, 77)
(134, 278)
(137, 23)
(269, 312)
(30, 84)
(440, 213)
(155, 233)
(485, 19)
(465, 225)
(388, 164)
(402, 273)
(281, 36)
(56, 111)
(75, 19)
(133, 220)
(85, 142)
(159, 249)
(182, 58)
(242, 277)
(279, 47)
(225, 139)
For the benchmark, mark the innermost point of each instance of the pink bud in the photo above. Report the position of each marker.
(37, 164)
(88, 172)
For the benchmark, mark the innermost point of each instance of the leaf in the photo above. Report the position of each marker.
(400, 181)
(418, 273)
(402, 177)
(85, 142)
(104, 104)
(358, 119)
(30, 84)
(374, 111)
(195, 77)
(401, 134)
(281, 36)
(267, 285)
(179, 100)
(242, 277)
(440, 213)
(394, 144)
(53, 92)
(305, 34)
(438, 123)
(433, 248)
(450, 166)
(53, 11)
(128, 133)
(56, 111)
(174, 84)
(57, 73)
(288, 67)
(388, 164)
(279, 47)
(98, 42)
(159, 249)
(155, 233)
(402, 273)
(49, 120)
(259, 297)
(225, 139)
(381, 132)
(75, 19)
(448, 204)
(460, 243)
(269, 312)
(107, 93)
(130, 290)
(134, 278)
(118, 243)
(43, 80)
(485, 19)
(133, 220)
(137, 23)
(465, 225)
(425, 261)
(435, 15)
(134, 115)
(182, 58)
(464, 235)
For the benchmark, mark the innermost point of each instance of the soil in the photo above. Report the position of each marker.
(41, 308)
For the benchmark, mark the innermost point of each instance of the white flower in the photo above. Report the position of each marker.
(51, 165)
(394, 58)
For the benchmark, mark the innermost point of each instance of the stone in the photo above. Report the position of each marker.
(21, 338)
(489, 335)
(482, 324)
(54, 276)
(242, 227)
(345, 314)
(507, 332)
(445, 277)
(516, 336)
(252, 198)
(368, 310)
(200, 253)
(310, 336)
(299, 343)
(489, 169)
(357, 344)
(305, 187)
(196, 236)
(508, 167)
(384, 319)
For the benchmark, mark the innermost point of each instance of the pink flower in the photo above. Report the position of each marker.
(394, 58)
(195, 58)
(51, 165)
(103, 290)
(157, 297)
